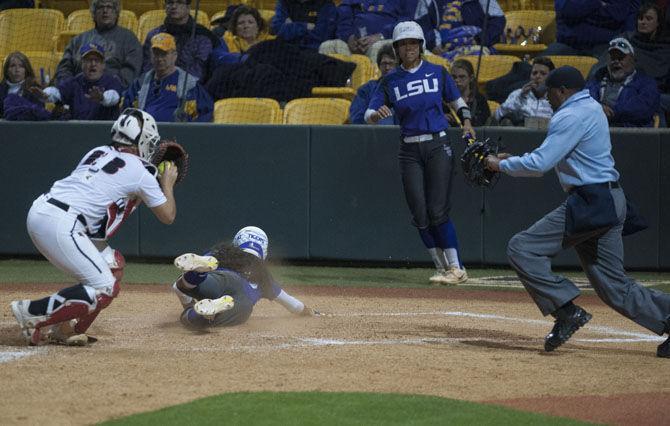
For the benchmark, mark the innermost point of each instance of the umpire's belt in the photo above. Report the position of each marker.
(424, 138)
(610, 185)
(66, 207)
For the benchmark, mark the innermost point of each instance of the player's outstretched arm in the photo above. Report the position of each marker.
(294, 305)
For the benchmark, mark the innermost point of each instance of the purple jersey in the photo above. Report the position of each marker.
(417, 98)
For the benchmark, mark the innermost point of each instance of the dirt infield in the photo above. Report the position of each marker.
(469, 345)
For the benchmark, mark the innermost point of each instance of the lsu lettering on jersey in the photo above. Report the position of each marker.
(106, 187)
(417, 97)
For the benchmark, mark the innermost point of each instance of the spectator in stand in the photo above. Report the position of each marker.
(17, 103)
(464, 76)
(652, 52)
(629, 97)
(166, 91)
(16, 4)
(307, 23)
(246, 29)
(192, 53)
(529, 101)
(585, 27)
(91, 94)
(462, 24)
(386, 61)
(123, 52)
(364, 26)
(426, 13)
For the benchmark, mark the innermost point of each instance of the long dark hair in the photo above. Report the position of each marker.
(660, 17)
(30, 74)
(249, 266)
(246, 10)
(468, 68)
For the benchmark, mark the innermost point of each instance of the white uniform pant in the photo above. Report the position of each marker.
(61, 237)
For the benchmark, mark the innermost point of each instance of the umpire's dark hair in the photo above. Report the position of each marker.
(543, 60)
(386, 50)
(246, 10)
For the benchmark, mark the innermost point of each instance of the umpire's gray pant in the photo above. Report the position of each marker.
(530, 253)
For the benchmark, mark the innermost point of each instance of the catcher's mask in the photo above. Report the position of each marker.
(136, 127)
(252, 240)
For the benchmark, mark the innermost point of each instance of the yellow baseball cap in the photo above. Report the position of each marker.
(163, 41)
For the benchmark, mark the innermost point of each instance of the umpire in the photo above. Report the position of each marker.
(591, 219)
(416, 91)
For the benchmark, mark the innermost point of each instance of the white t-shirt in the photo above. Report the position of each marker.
(106, 187)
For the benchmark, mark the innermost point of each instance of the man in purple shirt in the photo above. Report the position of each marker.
(91, 94)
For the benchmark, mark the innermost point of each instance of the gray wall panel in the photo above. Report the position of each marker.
(240, 175)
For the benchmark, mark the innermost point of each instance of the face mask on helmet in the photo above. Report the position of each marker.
(253, 240)
(136, 127)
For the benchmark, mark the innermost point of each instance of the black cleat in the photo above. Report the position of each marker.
(565, 326)
(663, 350)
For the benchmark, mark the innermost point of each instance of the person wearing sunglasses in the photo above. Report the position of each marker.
(628, 96)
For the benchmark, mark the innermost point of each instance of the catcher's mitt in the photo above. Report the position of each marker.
(473, 162)
(170, 150)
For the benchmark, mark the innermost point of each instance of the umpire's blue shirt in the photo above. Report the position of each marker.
(578, 146)
(416, 97)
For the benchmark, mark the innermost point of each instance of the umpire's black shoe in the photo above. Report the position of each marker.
(663, 349)
(564, 327)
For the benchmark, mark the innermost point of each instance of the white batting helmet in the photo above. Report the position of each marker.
(253, 240)
(137, 127)
(408, 30)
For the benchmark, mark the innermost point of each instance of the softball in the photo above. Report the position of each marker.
(163, 165)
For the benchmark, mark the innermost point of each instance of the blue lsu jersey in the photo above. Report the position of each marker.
(417, 98)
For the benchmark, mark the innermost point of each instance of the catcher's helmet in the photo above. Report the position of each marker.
(408, 30)
(136, 127)
(252, 240)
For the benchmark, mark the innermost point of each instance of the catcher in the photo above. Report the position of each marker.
(71, 222)
(221, 287)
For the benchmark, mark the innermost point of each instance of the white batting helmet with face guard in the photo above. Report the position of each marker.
(136, 127)
(252, 240)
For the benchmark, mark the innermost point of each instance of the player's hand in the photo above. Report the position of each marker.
(95, 94)
(309, 312)
(169, 176)
(468, 130)
(492, 162)
(35, 90)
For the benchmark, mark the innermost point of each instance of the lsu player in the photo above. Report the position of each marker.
(70, 223)
(222, 287)
(416, 91)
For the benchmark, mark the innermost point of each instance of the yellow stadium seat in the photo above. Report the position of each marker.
(437, 60)
(582, 63)
(154, 18)
(316, 111)
(65, 6)
(33, 30)
(334, 92)
(364, 71)
(81, 20)
(247, 111)
(141, 6)
(212, 7)
(492, 66)
(267, 14)
(493, 106)
(260, 4)
(543, 19)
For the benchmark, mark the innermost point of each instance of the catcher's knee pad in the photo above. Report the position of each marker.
(103, 299)
(117, 266)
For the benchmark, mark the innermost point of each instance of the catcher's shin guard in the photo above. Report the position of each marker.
(72, 302)
(102, 301)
